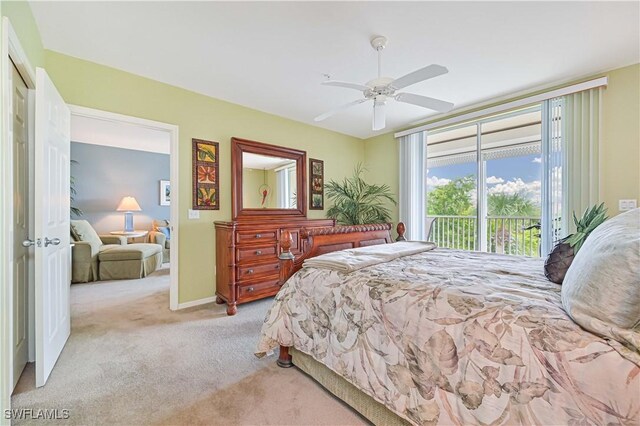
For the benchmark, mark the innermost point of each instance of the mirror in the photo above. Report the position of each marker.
(267, 179)
(268, 182)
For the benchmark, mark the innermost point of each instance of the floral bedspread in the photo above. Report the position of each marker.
(456, 337)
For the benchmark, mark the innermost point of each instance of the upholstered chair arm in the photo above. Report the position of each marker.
(84, 258)
(113, 239)
(156, 237)
(82, 251)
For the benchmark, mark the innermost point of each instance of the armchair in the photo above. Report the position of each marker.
(161, 234)
(87, 246)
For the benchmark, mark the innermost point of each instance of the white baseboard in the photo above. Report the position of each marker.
(196, 302)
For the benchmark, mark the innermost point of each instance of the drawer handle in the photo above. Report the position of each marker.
(258, 252)
(250, 289)
(258, 235)
(277, 266)
(250, 271)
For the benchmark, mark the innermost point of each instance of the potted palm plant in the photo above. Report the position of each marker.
(560, 258)
(356, 202)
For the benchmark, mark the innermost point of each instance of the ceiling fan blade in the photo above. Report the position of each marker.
(338, 109)
(425, 102)
(346, 84)
(379, 121)
(417, 76)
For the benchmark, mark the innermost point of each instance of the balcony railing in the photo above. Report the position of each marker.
(507, 235)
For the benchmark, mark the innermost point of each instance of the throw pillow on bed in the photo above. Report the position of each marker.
(601, 290)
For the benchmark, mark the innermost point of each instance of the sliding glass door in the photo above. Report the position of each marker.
(484, 184)
(451, 188)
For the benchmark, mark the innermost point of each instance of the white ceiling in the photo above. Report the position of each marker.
(271, 56)
(263, 162)
(118, 135)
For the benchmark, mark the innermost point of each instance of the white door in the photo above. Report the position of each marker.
(20, 224)
(52, 252)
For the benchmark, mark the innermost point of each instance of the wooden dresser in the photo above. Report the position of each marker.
(247, 252)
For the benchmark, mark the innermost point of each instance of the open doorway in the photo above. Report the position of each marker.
(27, 324)
(124, 187)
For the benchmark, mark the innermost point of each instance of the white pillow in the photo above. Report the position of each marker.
(601, 290)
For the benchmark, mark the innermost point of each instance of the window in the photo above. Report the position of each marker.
(536, 166)
(286, 184)
(484, 184)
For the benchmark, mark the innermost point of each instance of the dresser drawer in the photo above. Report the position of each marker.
(248, 272)
(258, 289)
(248, 254)
(245, 237)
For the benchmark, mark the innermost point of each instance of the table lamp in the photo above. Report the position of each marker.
(128, 205)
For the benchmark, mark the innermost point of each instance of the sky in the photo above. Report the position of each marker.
(508, 175)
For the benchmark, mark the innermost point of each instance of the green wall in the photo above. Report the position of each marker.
(19, 13)
(381, 154)
(620, 145)
(198, 116)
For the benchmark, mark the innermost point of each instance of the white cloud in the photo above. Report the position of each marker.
(537, 160)
(436, 181)
(530, 190)
(492, 180)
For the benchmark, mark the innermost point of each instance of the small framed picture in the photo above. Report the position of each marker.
(317, 202)
(165, 193)
(205, 163)
(316, 184)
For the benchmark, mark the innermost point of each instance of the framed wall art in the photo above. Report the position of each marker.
(206, 194)
(316, 184)
(165, 193)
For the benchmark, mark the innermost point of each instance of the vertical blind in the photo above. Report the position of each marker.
(412, 197)
(554, 181)
(571, 161)
(282, 184)
(582, 134)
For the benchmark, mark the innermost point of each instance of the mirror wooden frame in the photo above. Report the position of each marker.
(240, 146)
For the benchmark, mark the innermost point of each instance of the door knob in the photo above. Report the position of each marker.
(28, 243)
(53, 241)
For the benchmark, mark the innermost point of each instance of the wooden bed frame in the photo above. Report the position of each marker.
(326, 240)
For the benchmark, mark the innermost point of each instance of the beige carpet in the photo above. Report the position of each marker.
(130, 360)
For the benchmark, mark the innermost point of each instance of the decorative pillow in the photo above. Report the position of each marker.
(83, 231)
(166, 230)
(601, 290)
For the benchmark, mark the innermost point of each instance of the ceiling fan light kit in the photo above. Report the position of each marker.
(378, 115)
(380, 89)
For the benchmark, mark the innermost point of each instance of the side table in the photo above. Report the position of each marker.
(132, 234)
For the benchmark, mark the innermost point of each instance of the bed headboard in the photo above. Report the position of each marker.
(317, 241)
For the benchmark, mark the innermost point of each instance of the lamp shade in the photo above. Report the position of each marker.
(128, 204)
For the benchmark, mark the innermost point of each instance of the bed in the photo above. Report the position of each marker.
(444, 337)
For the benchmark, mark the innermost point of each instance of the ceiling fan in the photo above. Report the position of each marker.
(381, 89)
